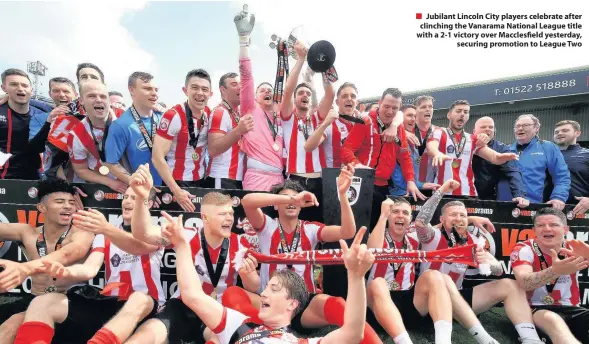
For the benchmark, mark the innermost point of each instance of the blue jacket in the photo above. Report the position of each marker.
(537, 158)
(577, 160)
(399, 187)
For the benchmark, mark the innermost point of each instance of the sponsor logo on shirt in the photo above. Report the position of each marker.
(141, 145)
(3, 118)
(115, 260)
(164, 124)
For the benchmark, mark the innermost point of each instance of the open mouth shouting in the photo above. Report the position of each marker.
(66, 215)
(99, 109)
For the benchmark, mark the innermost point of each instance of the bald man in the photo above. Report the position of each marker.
(487, 175)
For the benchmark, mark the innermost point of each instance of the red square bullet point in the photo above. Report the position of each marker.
(418, 16)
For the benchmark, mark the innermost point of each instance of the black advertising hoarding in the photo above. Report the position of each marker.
(512, 224)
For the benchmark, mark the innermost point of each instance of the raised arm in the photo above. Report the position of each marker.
(318, 136)
(291, 82)
(141, 226)
(254, 202)
(327, 101)
(206, 308)
(425, 232)
(348, 223)
(376, 238)
(74, 248)
(249, 276)
(358, 261)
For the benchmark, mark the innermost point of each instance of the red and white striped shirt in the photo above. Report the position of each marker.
(228, 275)
(233, 319)
(133, 273)
(463, 172)
(185, 162)
(566, 288)
(405, 277)
(231, 163)
(336, 134)
(455, 270)
(298, 160)
(270, 243)
(82, 147)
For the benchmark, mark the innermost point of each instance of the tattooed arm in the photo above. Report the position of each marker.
(425, 231)
(529, 280)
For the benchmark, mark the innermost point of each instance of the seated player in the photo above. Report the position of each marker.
(213, 247)
(132, 292)
(551, 282)
(282, 299)
(55, 240)
(483, 296)
(289, 234)
(394, 295)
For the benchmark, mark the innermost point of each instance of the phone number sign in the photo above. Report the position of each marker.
(526, 88)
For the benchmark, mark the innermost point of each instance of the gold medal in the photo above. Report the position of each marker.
(455, 164)
(214, 295)
(195, 156)
(103, 170)
(394, 285)
(547, 299)
(51, 289)
(275, 147)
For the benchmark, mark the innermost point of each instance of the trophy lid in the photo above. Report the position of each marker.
(321, 56)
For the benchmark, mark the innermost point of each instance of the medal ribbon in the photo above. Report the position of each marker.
(281, 72)
(457, 150)
(142, 128)
(305, 127)
(544, 266)
(422, 143)
(391, 242)
(190, 121)
(451, 239)
(214, 274)
(234, 115)
(42, 244)
(295, 240)
(100, 146)
(273, 127)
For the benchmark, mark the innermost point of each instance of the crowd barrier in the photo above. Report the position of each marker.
(18, 204)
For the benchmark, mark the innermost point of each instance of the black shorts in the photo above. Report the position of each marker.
(221, 183)
(576, 318)
(88, 311)
(296, 324)
(403, 300)
(18, 303)
(182, 323)
(467, 295)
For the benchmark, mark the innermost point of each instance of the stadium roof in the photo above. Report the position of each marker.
(517, 88)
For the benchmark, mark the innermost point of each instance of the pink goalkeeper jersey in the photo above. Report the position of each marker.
(259, 143)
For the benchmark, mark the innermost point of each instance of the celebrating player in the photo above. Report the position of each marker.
(133, 289)
(393, 294)
(551, 281)
(282, 300)
(483, 296)
(55, 240)
(289, 234)
(213, 248)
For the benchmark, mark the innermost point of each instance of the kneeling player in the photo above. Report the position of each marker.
(289, 234)
(132, 289)
(483, 296)
(551, 282)
(213, 247)
(393, 295)
(284, 296)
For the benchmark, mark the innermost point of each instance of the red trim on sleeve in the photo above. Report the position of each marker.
(263, 225)
(520, 263)
(217, 131)
(97, 249)
(222, 323)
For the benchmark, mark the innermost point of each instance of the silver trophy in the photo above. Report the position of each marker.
(297, 34)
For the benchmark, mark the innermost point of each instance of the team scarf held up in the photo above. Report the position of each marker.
(460, 254)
